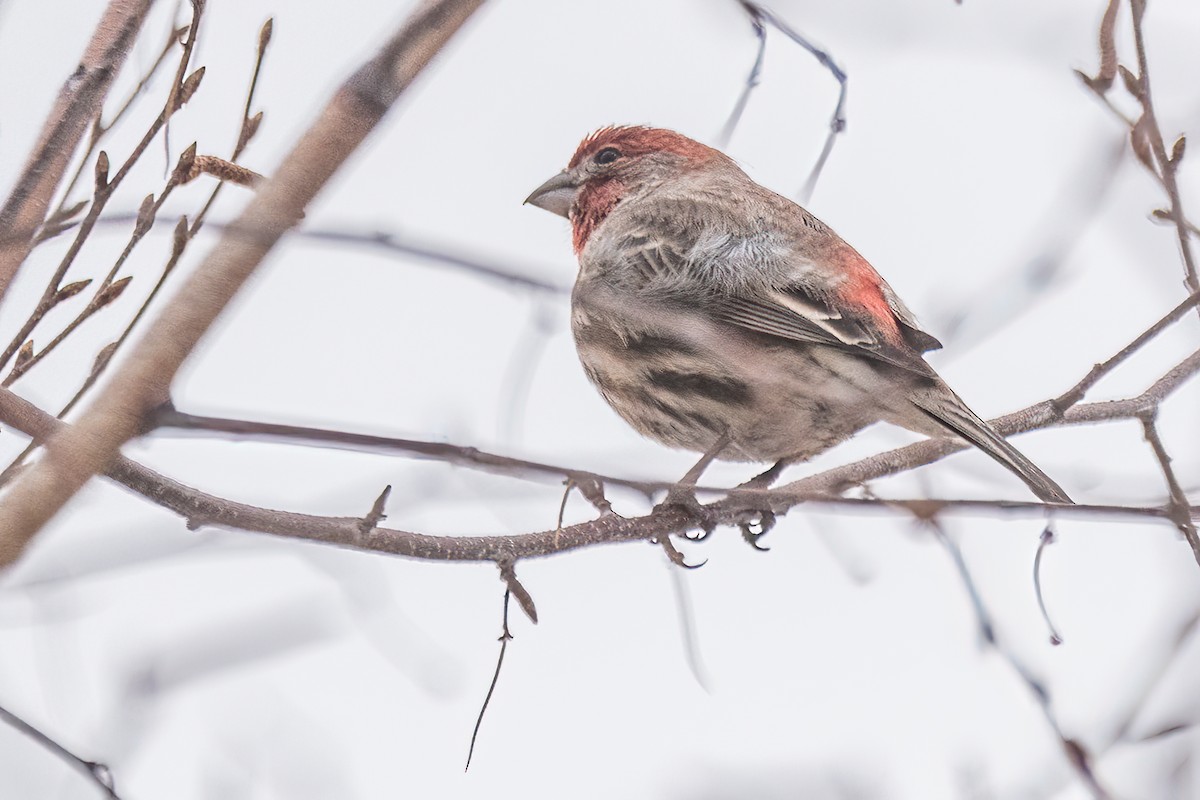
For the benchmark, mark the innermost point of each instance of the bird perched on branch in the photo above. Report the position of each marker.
(717, 316)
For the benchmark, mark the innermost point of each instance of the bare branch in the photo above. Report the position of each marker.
(1168, 167)
(78, 103)
(199, 508)
(1179, 512)
(103, 192)
(1044, 541)
(95, 771)
(143, 380)
(837, 121)
(1076, 392)
(505, 638)
(389, 242)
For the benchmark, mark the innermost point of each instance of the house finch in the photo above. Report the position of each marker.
(718, 316)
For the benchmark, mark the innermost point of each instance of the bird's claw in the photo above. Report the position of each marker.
(764, 521)
(683, 498)
(676, 557)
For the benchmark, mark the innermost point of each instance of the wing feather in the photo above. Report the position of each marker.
(792, 311)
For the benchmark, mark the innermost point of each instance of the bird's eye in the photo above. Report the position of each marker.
(607, 156)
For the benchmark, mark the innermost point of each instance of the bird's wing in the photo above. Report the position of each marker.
(799, 314)
(862, 314)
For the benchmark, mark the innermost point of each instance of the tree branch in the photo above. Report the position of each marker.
(200, 508)
(79, 102)
(94, 770)
(142, 382)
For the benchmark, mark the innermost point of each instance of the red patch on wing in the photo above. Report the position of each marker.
(637, 140)
(862, 293)
(593, 203)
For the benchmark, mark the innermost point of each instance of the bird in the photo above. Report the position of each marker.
(717, 316)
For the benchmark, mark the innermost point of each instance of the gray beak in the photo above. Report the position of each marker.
(556, 194)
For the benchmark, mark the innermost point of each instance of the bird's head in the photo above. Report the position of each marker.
(614, 163)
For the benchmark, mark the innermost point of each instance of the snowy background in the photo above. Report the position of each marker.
(844, 663)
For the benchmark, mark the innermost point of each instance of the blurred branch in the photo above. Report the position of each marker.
(389, 242)
(837, 122)
(143, 380)
(79, 102)
(94, 770)
(1077, 755)
(167, 418)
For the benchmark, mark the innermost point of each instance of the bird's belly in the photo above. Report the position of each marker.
(686, 381)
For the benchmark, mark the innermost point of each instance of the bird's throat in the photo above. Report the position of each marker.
(595, 201)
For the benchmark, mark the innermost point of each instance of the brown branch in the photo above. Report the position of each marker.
(1168, 164)
(182, 237)
(1076, 392)
(1145, 134)
(222, 170)
(142, 381)
(1178, 508)
(104, 189)
(79, 102)
(249, 124)
(100, 128)
(199, 508)
(109, 288)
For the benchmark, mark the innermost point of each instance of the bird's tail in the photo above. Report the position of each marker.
(949, 411)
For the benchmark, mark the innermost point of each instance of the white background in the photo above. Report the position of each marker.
(844, 663)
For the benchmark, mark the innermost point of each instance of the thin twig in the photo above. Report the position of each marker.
(505, 638)
(837, 120)
(1168, 164)
(105, 187)
(97, 772)
(389, 242)
(108, 289)
(1077, 392)
(79, 102)
(249, 125)
(1044, 540)
(376, 515)
(752, 80)
(142, 381)
(1178, 509)
(100, 128)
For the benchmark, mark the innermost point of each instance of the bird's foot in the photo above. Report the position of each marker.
(683, 497)
(755, 525)
(673, 554)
